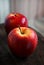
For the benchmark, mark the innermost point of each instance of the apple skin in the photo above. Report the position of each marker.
(14, 20)
(22, 44)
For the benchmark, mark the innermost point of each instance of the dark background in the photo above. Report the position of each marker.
(7, 58)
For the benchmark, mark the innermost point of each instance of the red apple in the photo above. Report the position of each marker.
(13, 20)
(22, 41)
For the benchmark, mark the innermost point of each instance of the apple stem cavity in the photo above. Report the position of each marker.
(21, 30)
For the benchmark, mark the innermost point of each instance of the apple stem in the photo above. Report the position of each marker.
(21, 30)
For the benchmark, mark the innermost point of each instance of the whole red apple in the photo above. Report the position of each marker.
(13, 20)
(22, 41)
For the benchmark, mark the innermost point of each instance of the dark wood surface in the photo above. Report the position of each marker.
(7, 58)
